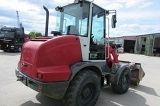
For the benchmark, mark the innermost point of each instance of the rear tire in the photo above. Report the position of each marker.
(84, 90)
(123, 84)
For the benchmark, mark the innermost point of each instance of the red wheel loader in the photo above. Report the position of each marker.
(76, 62)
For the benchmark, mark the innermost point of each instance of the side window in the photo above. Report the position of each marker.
(83, 27)
(58, 26)
(98, 30)
(68, 21)
(97, 44)
(83, 20)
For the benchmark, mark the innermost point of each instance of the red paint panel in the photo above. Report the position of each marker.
(63, 50)
(29, 51)
(59, 51)
(28, 57)
(112, 56)
(55, 73)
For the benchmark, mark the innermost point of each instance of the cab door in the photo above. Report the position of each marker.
(97, 37)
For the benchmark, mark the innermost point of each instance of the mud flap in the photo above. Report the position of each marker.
(137, 74)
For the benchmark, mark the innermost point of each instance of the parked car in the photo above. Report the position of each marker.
(120, 49)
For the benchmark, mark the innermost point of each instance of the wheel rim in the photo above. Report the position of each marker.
(87, 93)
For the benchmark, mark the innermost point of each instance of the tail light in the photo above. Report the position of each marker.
(40, 76)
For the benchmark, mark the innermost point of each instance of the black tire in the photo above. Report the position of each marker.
(5, 50)
(84, 90)
(19, 49)
(123, 84)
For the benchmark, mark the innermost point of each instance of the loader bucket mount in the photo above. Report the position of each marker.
(137, 72)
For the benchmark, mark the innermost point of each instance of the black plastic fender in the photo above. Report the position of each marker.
(119, 71)
(98, 67)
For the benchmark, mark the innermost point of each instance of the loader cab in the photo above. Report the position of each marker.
(87, 21)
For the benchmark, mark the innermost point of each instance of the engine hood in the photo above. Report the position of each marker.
(38, 54)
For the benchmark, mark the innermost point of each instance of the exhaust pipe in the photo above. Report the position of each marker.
(47, 20)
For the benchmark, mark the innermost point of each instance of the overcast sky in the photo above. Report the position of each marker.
(134, 17)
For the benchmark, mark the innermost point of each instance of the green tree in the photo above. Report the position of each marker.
(35, 34)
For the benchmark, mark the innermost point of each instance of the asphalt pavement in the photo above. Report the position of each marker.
(14, 93)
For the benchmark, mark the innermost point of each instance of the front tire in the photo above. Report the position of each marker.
(84, 90)
(123, 84)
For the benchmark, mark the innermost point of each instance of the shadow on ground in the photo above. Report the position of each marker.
(131, 98)
(145, 89)
(43, 101)
(107, 98)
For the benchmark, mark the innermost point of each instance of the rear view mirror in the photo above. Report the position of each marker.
(114, 21)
